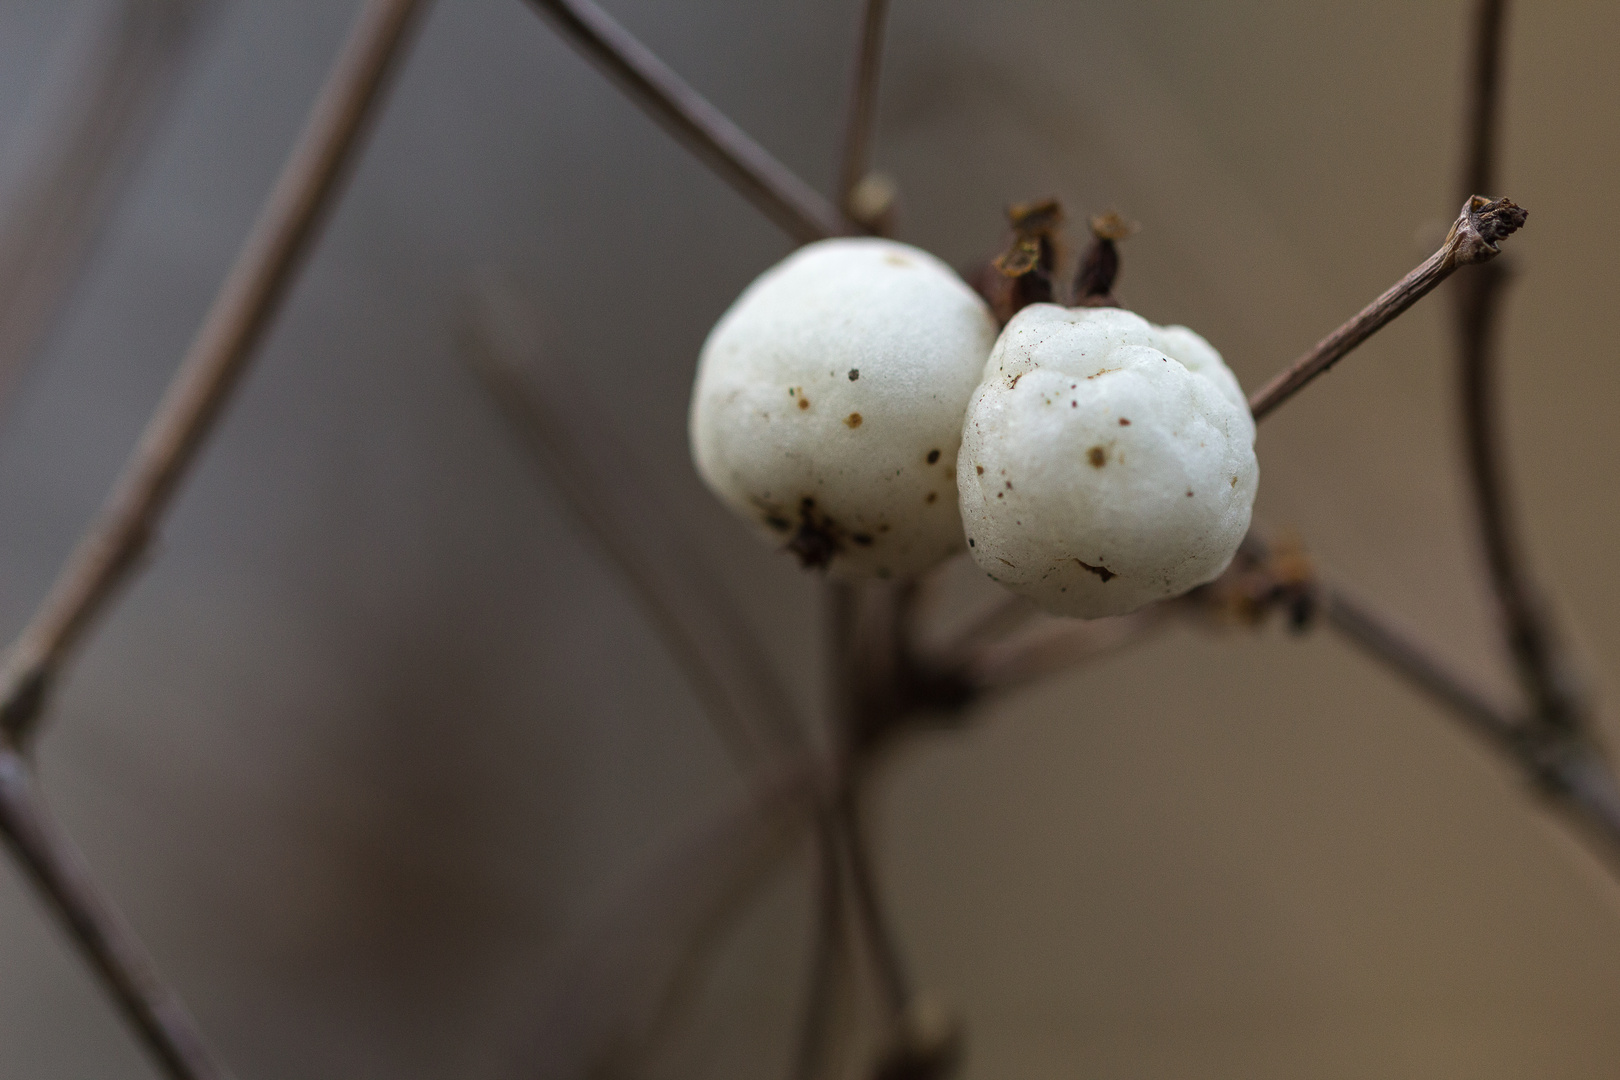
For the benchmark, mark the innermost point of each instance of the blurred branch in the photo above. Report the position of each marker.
(235, 323)
(1542, 670)
(829, 941)
(59, 872)
(606, 1012)
(683, 112)
(1473, 239)
(579, 451)
(855, 160)
(109, 100)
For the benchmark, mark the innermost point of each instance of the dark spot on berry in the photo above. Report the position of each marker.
(862, 539)
(854, 373)
(980, 468)
(932, 495)
(1124, 422)
(853, 420)
(804, 403)
(933, 456)
(971, 543)
(1101, 571)
(1097, 456)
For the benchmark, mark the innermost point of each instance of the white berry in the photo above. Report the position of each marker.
(1106, 462)
(829, 401)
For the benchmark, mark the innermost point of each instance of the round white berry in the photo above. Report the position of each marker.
(829, 401)
(1106, 462)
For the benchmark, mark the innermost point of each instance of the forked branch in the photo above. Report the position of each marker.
(250, 296)
(667, 98)
(1474, 236)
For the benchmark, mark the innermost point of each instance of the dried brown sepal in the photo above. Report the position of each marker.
(1094, 284)
(1029, 260)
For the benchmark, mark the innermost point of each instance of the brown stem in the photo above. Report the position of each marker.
(1379, 636)
(121, 78)
(156, 1013)
(881, 941)
(241, 311)
(1473, 239)
(827, 953)
(665, 96)
(861, 120)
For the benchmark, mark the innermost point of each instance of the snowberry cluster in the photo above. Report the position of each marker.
(857, 405)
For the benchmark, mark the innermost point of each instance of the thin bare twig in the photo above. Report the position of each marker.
(855, 160)
(235, 323)
(575, 444)
(89, 142)
(1473, 239)
(829, 940)
(156, 1013)
(1531, 640)
(794, 205)
(881, 941)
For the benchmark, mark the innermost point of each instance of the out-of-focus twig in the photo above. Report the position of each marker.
(855, 160)
(816, 1053)
(1052, 645)
(667, 98)
(248, 299)
(1473, 239)
(575, 444)
(86, 147)
(617, 989)
(1542, 670)
(57, 869)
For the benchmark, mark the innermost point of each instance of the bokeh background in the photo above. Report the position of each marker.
(377, 731)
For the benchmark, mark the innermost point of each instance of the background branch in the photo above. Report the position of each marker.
(44, 851)
(117, 83)
(794, 205)
(234, 325)
(861, 121)
(1542, 670)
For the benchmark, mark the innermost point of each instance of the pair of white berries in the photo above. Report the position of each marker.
(857, 404)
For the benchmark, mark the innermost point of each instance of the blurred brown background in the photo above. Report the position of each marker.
(377, 730)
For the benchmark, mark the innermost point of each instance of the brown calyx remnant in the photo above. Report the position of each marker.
(1094, 284)
(1022, 274)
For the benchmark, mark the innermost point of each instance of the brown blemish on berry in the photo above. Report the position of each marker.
(816, 540)
(804, 402)
(854, 373)
(1097, 456)
(1124, 422)
(862, 539)
(1101, 571)
(932, 495)
(980, 468)
(933, 456)
(897, 260)
(1189, 493)
(853, 420)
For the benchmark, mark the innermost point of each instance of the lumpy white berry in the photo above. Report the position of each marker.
(1106, 462)
(829, 401)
